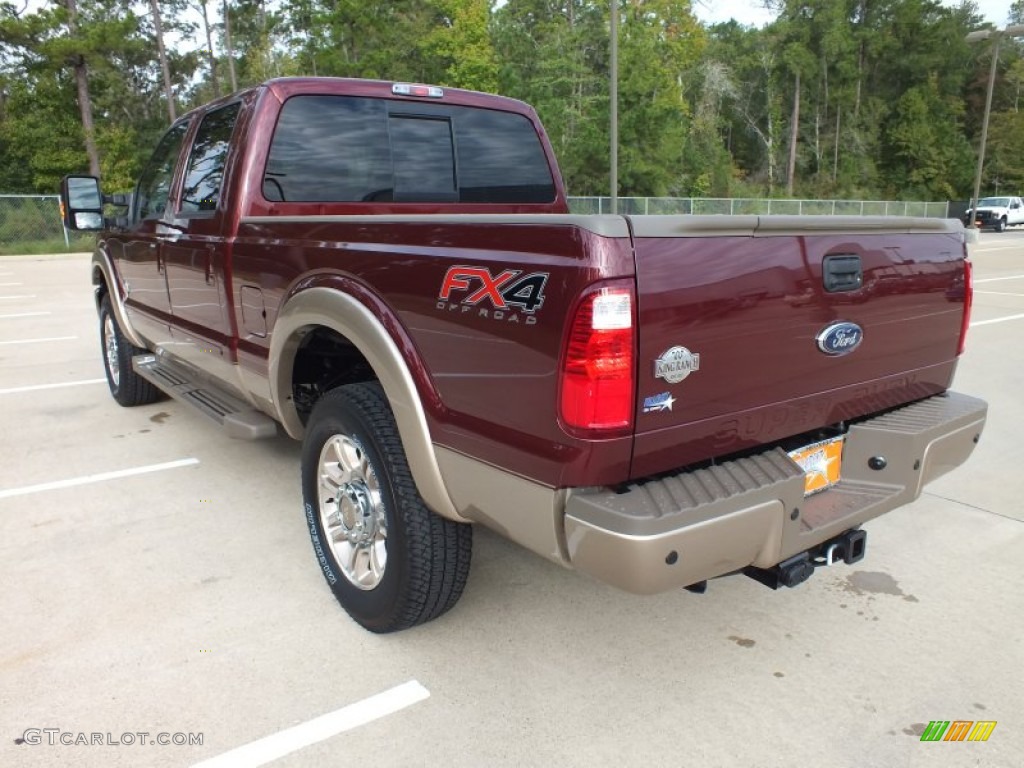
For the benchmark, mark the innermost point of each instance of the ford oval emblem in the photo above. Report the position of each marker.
(840, 339)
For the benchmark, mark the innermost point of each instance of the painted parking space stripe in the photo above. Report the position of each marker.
(39, 341)
(11, 285)
(997, 279)
(277, 745)
(997, 320)
(38, 387)
(999, 293)
(97, 478)
(20, 296)
(25, 314)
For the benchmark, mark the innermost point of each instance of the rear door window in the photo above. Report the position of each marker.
(205, 170)
(351, 149)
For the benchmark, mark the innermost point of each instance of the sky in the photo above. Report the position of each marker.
(753, 13)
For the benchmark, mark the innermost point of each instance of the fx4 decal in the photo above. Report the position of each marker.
(507, 293)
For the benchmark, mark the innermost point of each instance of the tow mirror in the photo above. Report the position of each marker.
(81, 203)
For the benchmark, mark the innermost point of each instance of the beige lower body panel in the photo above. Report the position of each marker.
(691, 526)
(524, 511)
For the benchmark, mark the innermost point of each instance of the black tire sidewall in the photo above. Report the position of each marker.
(377, 608)
(123, 356)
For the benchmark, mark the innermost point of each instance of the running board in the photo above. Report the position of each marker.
(238, 418)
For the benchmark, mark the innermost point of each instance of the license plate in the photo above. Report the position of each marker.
(821, 463)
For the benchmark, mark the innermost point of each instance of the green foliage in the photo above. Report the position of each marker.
(891, 96)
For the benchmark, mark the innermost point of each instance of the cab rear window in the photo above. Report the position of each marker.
(355, 149)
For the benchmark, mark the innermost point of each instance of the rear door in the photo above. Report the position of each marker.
(753, 330)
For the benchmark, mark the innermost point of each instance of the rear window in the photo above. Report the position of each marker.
(354, 149)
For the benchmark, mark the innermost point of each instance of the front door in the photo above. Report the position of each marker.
(138, 249)
(195, 255)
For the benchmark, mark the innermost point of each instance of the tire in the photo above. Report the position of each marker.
(1001, 225)
(126, 386)
(389, 560)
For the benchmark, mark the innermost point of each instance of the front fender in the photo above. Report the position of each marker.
(103, 272)
(347, 316)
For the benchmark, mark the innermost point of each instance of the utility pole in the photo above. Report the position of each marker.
(1014, 30)
(614, 182)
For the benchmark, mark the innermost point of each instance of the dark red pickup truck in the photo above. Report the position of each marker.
(391, 273)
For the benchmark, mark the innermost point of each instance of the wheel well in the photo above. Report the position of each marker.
(324, 361)
(100, 283)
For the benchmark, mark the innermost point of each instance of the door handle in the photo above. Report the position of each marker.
(209, 265)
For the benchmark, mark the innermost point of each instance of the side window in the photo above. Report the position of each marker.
(155, 181)
(329, 148)
(205, 169)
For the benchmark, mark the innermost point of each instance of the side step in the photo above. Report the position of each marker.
(239, 419)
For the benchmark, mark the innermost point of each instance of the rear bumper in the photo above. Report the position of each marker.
(692, 526)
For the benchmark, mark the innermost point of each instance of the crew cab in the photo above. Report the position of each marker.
(996, 213)
(390, 273)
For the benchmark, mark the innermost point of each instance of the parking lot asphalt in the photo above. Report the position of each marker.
(157, 579)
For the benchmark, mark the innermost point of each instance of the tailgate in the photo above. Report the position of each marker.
(741, 342)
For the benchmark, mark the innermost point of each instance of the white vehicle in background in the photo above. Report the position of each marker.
(997, 213)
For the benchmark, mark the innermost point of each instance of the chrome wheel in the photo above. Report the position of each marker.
(352, 511)
(110, 351)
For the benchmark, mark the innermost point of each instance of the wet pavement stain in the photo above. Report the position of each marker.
(873, 583)
(915, 729)
(743, 642)
(979, 706)
(778, 674)
(159, 418)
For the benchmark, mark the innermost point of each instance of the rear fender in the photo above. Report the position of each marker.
(350, 318)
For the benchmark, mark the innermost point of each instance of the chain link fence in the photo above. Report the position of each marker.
(761, 207)
(31, 224)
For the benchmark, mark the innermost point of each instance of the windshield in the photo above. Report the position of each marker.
(994, 202)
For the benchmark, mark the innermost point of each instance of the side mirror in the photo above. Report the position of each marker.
(81, 203)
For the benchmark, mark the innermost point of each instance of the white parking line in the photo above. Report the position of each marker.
(11, 285)
(25, 314)
(997, 279)
(98, 478)
(997, 320)
(999, 293)
(20, 296)
(33, 341)
(37, 387)
(277, 745)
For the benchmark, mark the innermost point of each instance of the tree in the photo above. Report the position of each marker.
(76, 58)
(164, 68)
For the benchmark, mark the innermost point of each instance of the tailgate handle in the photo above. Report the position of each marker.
(842, 273)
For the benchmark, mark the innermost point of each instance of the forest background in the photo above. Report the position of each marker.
(857, 99)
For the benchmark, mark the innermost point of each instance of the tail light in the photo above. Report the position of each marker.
(597, 374)
(965, 322)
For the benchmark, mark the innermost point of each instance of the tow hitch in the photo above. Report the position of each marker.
(848, 547)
